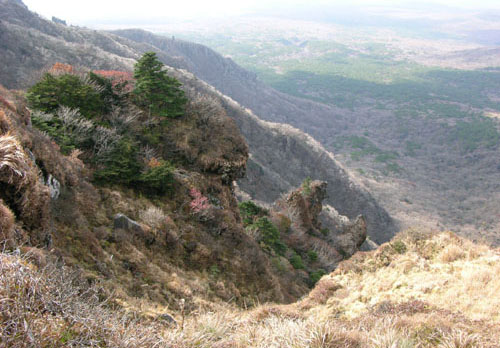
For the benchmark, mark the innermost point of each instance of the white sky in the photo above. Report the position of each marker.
(90, 11)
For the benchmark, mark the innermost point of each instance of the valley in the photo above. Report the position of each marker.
(319, 175)
(418, 105)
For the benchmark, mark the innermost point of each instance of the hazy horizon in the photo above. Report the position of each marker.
(83, 13)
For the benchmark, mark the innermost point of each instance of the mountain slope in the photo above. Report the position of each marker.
(424, 141)
(58, 43)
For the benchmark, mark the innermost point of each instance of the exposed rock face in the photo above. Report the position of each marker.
(54, 187)
(368, 245)
(353, 236)
(125, 223)
(309, 225)
(305, 205)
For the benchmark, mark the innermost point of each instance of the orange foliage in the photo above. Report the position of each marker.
(59, 68)
(124, 78)
(153, 163)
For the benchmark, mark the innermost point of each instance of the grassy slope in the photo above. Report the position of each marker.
(419, 290)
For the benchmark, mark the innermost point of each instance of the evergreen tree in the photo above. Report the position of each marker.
(155, 90)
(69, 90)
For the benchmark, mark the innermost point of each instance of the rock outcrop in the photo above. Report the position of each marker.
(314, 227)
(125, 223)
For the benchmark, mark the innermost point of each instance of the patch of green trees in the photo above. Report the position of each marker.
(109, 122)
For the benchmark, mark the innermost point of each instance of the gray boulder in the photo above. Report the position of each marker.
(123, 222)
(168, 319)
(54, 187)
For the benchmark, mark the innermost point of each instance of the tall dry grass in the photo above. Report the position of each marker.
(23, 189)
(14, 165)
(50, 307)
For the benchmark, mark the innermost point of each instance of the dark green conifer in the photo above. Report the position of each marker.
(155, 90)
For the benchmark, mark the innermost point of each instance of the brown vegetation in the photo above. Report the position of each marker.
(345, 310)
(6, 224)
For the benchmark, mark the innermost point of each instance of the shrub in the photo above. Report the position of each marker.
(67, 127)
(284, 223)
(315, 276)
(280, 264)
(296, 261)
(199, 202)
(121, 166)
(399, 246)
(312, 255)
(269, 235)
(113, 92)
(68, 90)
(159, 178)
(214, 271)
(249, 210)
(306, 186)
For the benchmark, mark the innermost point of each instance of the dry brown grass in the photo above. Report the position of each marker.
(48, 308)
(6, 223)
(452, 253)
(14, 165)
(5, 125)
(22, 188)
(364, 309)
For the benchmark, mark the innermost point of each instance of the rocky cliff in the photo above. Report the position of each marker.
(314, 227)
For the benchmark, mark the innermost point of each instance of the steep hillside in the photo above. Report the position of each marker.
(139, 195)
(185, 243)
(25, 32)
(281, 157)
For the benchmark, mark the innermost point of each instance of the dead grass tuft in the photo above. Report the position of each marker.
(6, 103)
(323, 290)
(50, 308)
(22, 189)
(451, 253)
(5, 124)
(154, 217)
(14, 165)
(6, 223)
